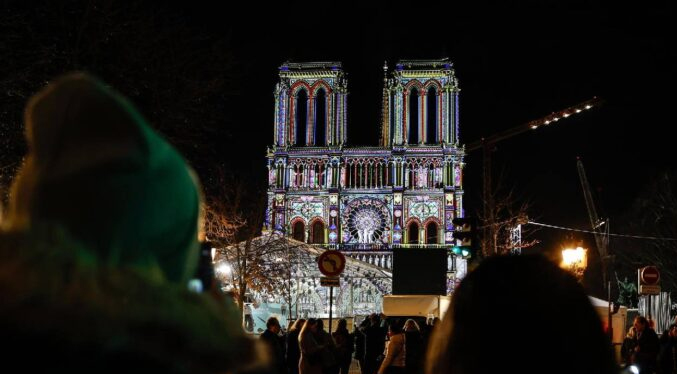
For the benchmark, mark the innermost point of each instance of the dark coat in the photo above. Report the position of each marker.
(276, 347)
(77, 315)
(345, 345)
(646, 351)
(667, 354)
(414, 352)
(293, 351)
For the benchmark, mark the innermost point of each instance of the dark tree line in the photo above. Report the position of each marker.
(653, 214)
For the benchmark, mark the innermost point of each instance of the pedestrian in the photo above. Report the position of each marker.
(646, 349)
(345, 345)
(311, 350)
(360, 341)
(99, 243)
(628, 347)
(667, 355)
(395, 351)
(329, 353)
(413, 348)
(552, 326)
(293, 352)
(375, 336)
(275, 345)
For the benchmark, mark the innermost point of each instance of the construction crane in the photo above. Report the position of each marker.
(487, 145)
(601, 239)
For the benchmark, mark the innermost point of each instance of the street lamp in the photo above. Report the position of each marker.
(575, 260)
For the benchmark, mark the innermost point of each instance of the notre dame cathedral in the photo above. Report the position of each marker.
(366, 200)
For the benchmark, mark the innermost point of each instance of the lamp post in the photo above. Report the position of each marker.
(575, 260)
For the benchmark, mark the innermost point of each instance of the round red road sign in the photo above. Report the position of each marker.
(331, 263)
(650, 275)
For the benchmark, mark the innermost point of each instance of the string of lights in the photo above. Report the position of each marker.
(593, 232)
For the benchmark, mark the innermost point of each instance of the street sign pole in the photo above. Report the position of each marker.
(331, 299)
(331, 264)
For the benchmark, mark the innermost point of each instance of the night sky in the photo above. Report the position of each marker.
(514, 63)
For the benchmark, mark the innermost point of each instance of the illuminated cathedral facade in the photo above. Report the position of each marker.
(404, 192)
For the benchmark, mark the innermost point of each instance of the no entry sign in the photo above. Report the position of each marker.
(650, 275)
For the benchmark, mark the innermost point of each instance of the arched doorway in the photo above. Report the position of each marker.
(317, 232)
(431, 233)
(412, 233)
(299, 231)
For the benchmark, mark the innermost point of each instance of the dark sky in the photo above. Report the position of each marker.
(514, 64)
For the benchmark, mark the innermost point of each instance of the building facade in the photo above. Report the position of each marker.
(366, 200)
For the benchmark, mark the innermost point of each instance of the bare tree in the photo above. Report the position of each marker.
(509, 211)
(653, 214)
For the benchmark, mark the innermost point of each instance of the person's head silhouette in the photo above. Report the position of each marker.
(520, 314)
(96, 170)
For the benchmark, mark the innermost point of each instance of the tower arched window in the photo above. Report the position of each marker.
(320, 118)
(413, 233)
(413, 117)
(299, 231)
(431, 233)
(301, 118)
(431, 104)
(317, 232)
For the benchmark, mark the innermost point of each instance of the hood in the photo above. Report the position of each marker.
(97, 170)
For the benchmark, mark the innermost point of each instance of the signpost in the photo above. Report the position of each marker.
(331, 264)
(648, 278)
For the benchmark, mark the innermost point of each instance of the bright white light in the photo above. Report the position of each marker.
(556, 119)
(224, 268)
(634, 369)
(574, 257)
(534, 127)
(566, 115)
(578, 110)
(213, 254)
(588, 106)
(547, 122)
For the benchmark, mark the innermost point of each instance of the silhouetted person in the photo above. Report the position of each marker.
(667, 355)
(414, 347)
(646, 347)
(547, 324)
(345, 345)
(360, 341)
(375, 336)
(275, 345)
(98, 245)
(311, 349)
(395, 352)
(293, 352)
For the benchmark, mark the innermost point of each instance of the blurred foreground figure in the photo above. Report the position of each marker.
(99, 242)
(520, 314)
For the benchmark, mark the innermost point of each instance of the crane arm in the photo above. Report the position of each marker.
(592, 212)
(535, 124)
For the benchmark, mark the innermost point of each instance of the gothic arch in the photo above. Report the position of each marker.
(294, 90)
(413, 231)
(432, 227)
(317, 227)
(433, 82)
(298, 229)
(320, 127)
(413, 84)
(299, 115)
(318, 85)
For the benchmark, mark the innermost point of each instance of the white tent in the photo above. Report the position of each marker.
(617, 321)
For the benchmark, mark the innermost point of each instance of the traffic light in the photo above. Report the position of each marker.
(465, 236)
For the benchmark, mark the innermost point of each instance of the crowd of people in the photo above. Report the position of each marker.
(101, 236)
(378, 344)
(643, 349)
